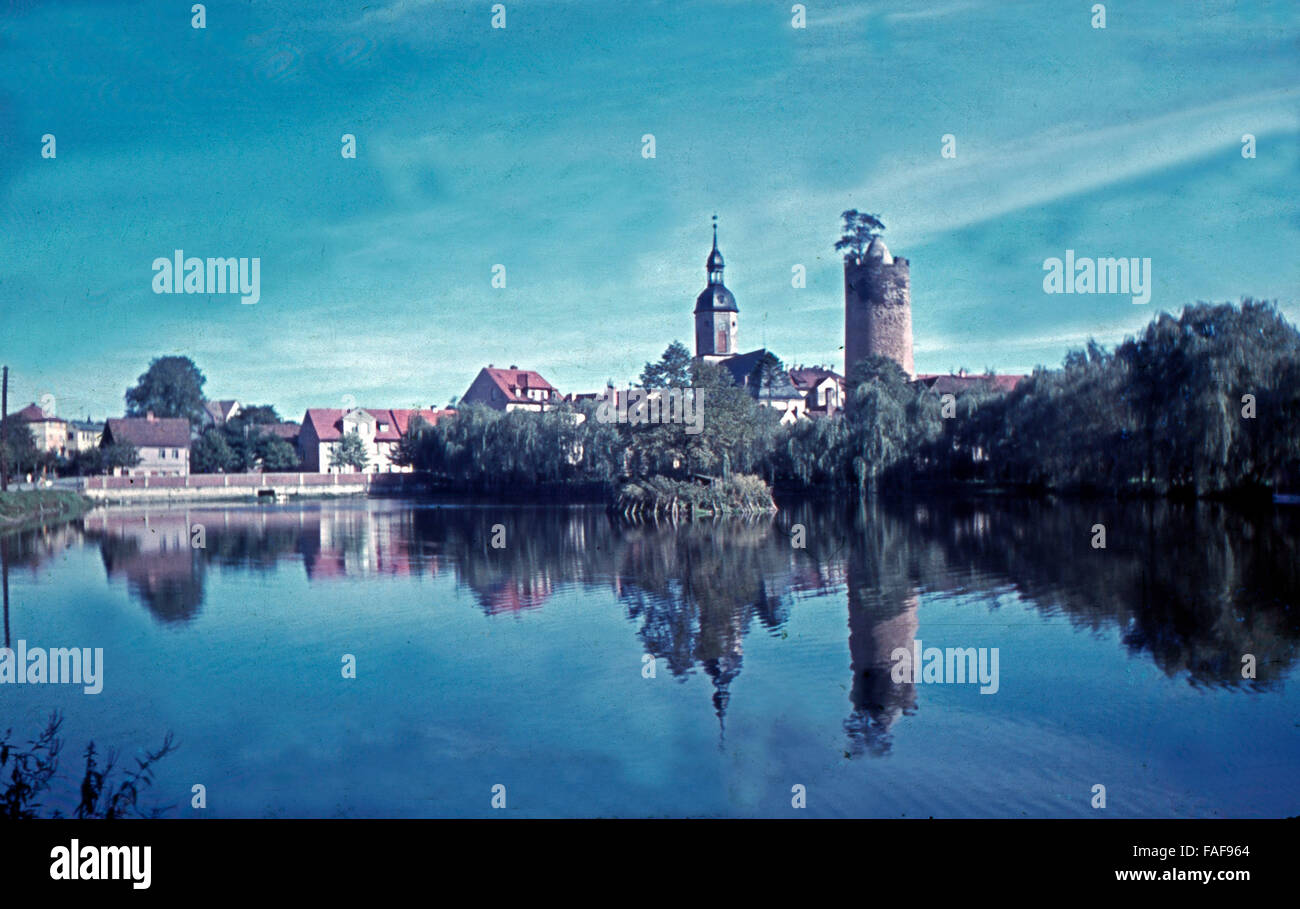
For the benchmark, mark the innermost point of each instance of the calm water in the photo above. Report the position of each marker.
(525, 665)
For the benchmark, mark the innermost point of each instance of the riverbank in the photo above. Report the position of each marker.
(29, 506)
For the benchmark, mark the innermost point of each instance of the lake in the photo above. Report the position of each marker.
(596, 668)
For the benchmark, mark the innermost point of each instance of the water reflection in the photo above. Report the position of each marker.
(1190, 588)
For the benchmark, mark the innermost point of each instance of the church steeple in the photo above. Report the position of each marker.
(715, 311)
(714, 265)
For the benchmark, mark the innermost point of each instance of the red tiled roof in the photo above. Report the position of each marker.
(33, 414)
(160, 432)
(944, 384)
(287, 431)
(328, 421)
(403, 418)
(808, 377)
(512, 381)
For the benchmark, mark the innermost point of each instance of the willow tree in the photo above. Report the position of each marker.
(882, 407)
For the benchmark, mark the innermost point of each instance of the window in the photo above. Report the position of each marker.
(722, 340)
(176, 453)
(162, 453)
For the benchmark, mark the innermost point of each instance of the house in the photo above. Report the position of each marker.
(217, 413)
(84, 435)
(823, 389)
(510, 389)
(162, 442)
(773, 389)
(49, 432)
(380, 432)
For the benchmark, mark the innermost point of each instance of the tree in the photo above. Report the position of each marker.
(672, 371)
(813, 453)
(859, 230)
(767, 373)
(350, 452)
(32, 768)
(120, 454)
(737, 430)
(86, 463)
(246, 438)
(275, 453)
(20, 452)
(409, 446)
(210, 453)
(884, 407)
(258, 414)
(170, 387)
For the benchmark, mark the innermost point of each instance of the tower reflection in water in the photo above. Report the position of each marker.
(1189, 588)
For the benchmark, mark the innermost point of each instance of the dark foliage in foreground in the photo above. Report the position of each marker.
(27, 772)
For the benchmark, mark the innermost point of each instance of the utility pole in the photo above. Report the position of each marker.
(4, 433)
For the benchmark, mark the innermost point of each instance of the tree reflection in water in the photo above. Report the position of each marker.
(1189, 587)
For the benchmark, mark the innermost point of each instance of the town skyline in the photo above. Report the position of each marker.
(377, 272)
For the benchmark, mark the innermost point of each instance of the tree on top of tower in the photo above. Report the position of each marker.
(860, 229)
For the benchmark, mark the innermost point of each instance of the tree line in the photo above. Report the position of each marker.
(1198, 404)
(1202, 403)
(576, 445)
(172, 387)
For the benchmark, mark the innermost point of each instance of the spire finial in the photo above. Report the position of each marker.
(713, 265)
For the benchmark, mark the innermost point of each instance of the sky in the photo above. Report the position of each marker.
(523, 146)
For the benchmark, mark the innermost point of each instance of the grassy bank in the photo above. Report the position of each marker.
(19, 507)
(739, 494)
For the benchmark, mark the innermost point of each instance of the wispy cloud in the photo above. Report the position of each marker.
(1028, 171)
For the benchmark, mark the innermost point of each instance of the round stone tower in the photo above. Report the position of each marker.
(877, 308)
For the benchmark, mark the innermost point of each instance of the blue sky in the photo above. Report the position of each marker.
(522, 146)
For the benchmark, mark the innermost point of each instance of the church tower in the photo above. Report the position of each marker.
(716, 314)
(877, 308)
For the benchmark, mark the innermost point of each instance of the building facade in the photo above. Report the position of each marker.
(48, 431)
(510, 389)
(380, 431)
(822, 389)
(83, 435)
(163, 444)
